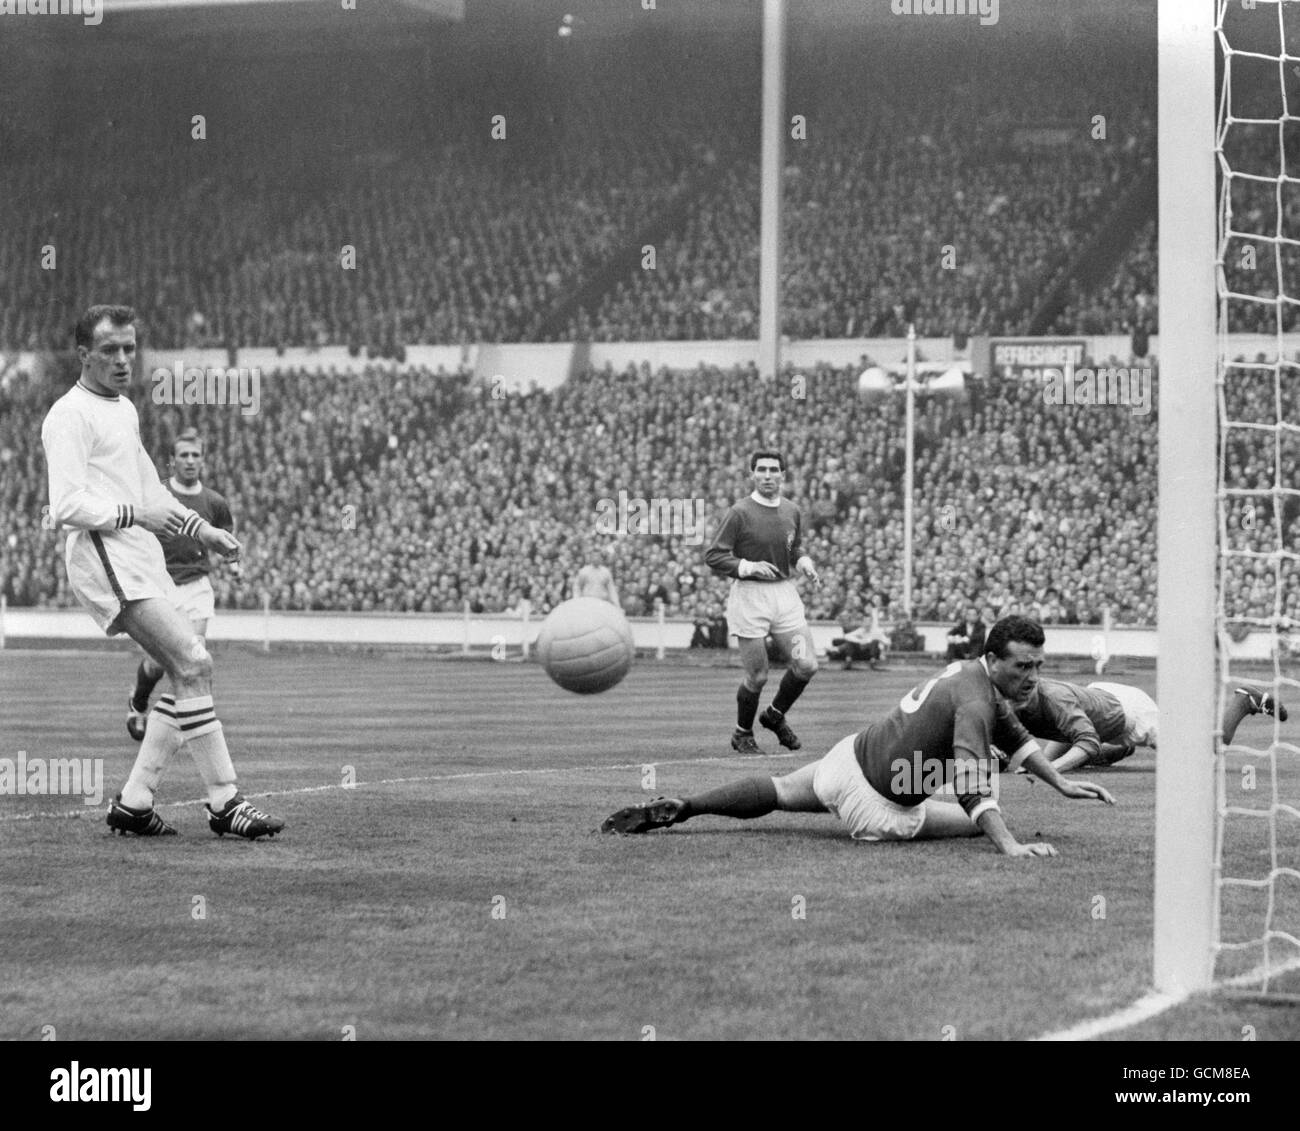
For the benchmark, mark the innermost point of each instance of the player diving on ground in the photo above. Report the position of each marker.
(880, 782)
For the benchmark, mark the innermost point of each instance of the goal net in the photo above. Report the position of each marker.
(1255, 927)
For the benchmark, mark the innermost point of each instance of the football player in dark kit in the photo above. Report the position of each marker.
(759, 546)
(1104, 723)
(879, 781)
(188, 563)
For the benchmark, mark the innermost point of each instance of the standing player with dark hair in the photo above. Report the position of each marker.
(105, 489)
(759, 545)
(880, 781)
(189, 563)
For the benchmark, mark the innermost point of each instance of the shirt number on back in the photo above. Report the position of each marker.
(911, 702)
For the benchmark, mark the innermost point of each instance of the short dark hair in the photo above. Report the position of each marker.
(1013, 629)
(768, 453)
(83, 334)
(189, 436)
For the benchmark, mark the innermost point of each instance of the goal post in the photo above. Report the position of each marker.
(1186, 529)
(1227, 860)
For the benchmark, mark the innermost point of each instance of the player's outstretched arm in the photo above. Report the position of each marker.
(995, 828)
(1038, 765)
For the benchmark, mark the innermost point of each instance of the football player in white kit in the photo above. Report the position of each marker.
(106, 491)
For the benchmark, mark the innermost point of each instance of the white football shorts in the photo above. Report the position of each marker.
(106, 569)
(1140, 712)
(756, 608)
(841, 786)
(196, 600)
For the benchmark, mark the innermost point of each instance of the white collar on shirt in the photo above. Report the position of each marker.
(763, 502)
(181, 489)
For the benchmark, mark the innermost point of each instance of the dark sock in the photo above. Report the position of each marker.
(791, 688)
(746, 708)
(744, 799)
(144, 685)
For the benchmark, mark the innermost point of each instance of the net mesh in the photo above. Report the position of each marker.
(1257, 833)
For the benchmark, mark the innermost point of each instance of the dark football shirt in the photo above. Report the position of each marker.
(1082, 716)
(186, 557)
(753, 532)
(941, 732)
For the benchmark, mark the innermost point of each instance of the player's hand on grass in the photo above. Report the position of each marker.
(1085, 790)
(161, 517)
(1041, 848)
(222, 541)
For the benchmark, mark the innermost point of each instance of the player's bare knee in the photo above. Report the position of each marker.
(195, 665)
(795, 793)
(805, 668)
(755, 680)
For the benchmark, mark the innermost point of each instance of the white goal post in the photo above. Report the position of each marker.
(1227, 859)
(1185, 690)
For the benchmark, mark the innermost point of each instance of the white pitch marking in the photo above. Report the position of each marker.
(1153, 1004)
(71, 813)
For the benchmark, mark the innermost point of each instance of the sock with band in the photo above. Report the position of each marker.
(162, 738)
(206, 742)
(791, 688)
(744, 799)
(746, 708)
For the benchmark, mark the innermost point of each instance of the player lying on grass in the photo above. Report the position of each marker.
(1103, 723)
(106, 491)
(879, 782)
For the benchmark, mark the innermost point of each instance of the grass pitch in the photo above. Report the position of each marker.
(460, 890)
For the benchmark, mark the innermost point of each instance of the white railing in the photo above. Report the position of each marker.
(480, 632)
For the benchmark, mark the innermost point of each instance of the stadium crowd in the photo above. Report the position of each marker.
(405, 220)
(937, 214)
(407, 489)
(953, 205)
(1124, 303)
(422, 491)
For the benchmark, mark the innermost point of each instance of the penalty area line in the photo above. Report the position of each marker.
(70, 814)
(1148, 1006)
(1153, 1004)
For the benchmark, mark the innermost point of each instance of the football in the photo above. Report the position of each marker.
(586, 645)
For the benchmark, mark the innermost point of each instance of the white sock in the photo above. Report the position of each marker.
(162, 738)
(206, 742)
